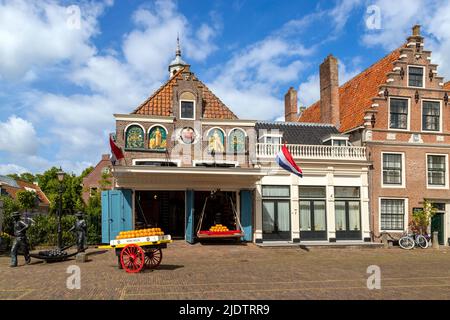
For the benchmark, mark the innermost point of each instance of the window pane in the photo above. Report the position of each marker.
(346, 192)
(187, 109)
(339, 209)
(431, 115)
(392, 214)
(392, 168)
(312, 192)
(436, 170)
(319, 216)
(399, 113)
(268, 216)
(415, 77)
(353, 216)
(305, 216)
(276, 191)
(284, 216)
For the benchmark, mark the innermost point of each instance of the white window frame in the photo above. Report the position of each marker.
(193, 114)
(406, 217)
(162, 160)
(408, 124)
(407, 76)
(394, 186)
(272, 135)
(440, 116)
(446, 177)
(196, 162)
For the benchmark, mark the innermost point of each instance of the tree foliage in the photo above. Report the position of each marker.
(28, 200)
(421, 219)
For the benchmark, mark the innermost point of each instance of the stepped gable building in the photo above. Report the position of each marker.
(398, 108)
(183, 144)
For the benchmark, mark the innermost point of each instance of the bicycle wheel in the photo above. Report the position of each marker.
(422, 241)
(406, 243)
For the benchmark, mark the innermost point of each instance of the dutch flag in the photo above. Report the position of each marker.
(285, 160)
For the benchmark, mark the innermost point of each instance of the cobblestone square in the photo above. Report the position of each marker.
(239, 272)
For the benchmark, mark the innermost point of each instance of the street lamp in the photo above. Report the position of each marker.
(60, 175)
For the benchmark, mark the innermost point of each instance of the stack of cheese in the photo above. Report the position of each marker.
(218, 228)
(140, 233)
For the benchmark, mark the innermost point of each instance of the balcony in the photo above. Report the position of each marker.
(269, 151)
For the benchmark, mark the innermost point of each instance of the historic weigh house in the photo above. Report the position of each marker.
(190, 163)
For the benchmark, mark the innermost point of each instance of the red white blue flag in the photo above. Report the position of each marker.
(285, 160)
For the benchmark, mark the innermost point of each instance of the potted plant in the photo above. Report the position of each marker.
(421, 219)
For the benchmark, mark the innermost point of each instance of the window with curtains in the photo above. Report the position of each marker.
(392, 169)
(392, 214)
(415, 77)
(436, 170)
(312, 208)
(398, 113)
(276, 212)
(431, 116)
(347, 209)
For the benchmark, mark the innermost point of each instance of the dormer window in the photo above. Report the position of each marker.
(336, 140)
(415, 76)
(272, 139)
(187, 110)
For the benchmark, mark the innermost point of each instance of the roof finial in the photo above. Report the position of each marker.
(178, 52)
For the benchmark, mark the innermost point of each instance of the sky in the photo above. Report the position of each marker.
(67, 66)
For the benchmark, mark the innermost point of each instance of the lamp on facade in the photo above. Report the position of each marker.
(431, 75)
(386, 93)
(373, 120)
(446, 98)
(402, 73)
(416, 96)
(60, 175)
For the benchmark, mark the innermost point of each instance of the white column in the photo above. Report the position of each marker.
(258, 234)
(331, 222)
(365, 213)
(295, 223)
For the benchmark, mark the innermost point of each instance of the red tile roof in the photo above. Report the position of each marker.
(355, 96)
(160, 103)
(447, 85)
(23, 185)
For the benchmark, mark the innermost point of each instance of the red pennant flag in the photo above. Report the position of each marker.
(115, 150)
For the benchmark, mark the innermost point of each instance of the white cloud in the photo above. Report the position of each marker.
(18, 136)
(10, 168)
(36, 34)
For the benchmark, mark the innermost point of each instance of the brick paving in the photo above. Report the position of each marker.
(239, 272)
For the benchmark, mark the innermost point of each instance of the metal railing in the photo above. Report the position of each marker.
(269, 150)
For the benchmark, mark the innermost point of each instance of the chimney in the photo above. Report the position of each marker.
(105, 157)
(329, 91)
(290, 105)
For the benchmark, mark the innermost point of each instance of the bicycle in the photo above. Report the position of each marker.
(410, 240)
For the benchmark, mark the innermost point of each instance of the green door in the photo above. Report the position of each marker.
(437, 224)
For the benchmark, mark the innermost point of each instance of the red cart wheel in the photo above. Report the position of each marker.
(132, 258)
(153, 258)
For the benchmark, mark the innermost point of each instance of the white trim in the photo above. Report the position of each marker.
(397, 186)
(228, 122)
(423, 75)
(441, 116)
(177, 161)
(179, 108)
(389, 114)
(157, 125)
(146, 119)
(134, 124)
(405, 218)
(444, 187)
(235, 163)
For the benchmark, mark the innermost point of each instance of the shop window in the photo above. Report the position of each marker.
(236, 141)
(187, 110)
(392, 169)
(157, 138)
(398, 113)
(347, 209)
(134, 137)
(276, 213)
(431, 116)
(392, 214)
(416, 77)
(312, 212)
(436, 170)
(216, 141)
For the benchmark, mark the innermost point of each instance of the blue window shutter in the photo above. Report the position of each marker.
(105, 216)
(189, 234)
(246, 214)
(127, 211)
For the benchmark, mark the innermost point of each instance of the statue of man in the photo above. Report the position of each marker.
(20, 241)
(80, 229)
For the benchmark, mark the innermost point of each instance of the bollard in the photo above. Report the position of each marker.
(384, 240)
(435, 240)
(81, 257)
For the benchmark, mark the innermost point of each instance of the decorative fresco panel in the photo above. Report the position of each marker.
(157, 138)
(236, 141)
(135, 138)
(216, 141)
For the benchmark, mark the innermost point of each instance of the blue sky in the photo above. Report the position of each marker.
(63, 74)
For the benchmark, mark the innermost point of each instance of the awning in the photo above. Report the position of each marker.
(179, 178)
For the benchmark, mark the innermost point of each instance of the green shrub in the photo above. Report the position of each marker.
(44, 230)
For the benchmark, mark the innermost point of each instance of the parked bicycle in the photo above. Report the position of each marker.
(410, 240)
